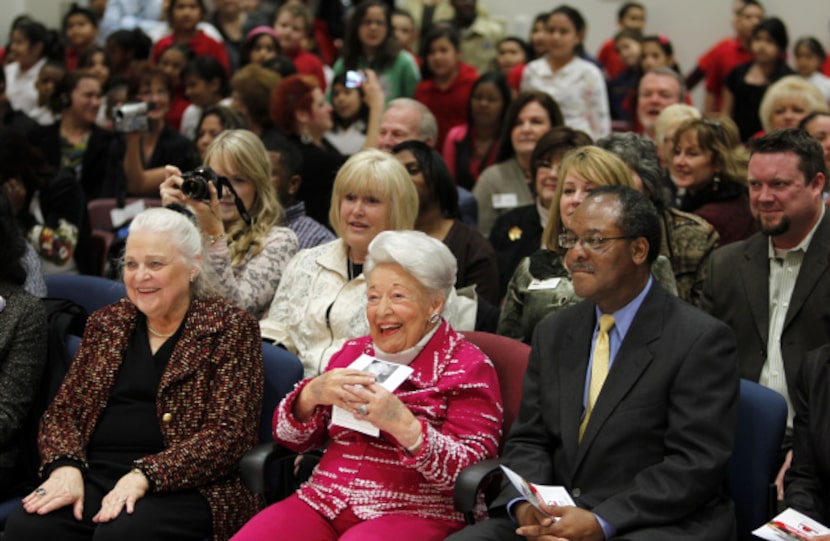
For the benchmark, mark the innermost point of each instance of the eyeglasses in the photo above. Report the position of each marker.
(591, 241)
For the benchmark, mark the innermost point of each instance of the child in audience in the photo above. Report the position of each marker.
(205, 84)
(30, 47)
(622, 87)
(447, 81)
(405, 32)
(80, 29)
(125, 47)
(631, 15)
(48, 110)
(657, 52)
(349, 117)
(261, 46)
(809, 57)
(184, 17)
(513, 51)
(576, 84)
(172, 62)
(95, 60)
(292, 26)
(371, 44)
(539, 41)
(747, 83)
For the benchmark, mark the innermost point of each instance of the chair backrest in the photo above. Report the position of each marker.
(283, 370)
(762, 418)
(91, 292)
(510, 358)
(99, 210)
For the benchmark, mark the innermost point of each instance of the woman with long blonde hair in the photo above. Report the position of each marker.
(238, 213)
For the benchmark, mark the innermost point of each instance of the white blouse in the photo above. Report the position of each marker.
(578, 88)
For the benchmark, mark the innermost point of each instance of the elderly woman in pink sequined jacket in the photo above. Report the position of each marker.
(445, 416)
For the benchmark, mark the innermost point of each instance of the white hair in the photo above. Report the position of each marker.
(428, 260)
(182, 233)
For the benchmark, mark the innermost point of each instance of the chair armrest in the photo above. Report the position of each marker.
(468, 484)
(253, 465)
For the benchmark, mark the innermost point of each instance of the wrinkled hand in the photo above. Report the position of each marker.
(388, 413)
(557, 523)
(128, 490)
(331, 388)
(779, 479)
(65, 486)
(207, 212)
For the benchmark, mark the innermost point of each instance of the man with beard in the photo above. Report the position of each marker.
(773, 288)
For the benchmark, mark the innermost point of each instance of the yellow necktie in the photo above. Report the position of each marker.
(599, 368)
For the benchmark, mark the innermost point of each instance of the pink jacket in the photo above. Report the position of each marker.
(453, 390)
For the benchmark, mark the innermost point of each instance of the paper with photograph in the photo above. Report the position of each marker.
(387, 375)
(537, 494)
(790, 525)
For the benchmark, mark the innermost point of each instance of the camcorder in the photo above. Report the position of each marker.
(132, 117)
(195, 186)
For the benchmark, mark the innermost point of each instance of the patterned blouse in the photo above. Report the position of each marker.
(252, 284)
(454, 393)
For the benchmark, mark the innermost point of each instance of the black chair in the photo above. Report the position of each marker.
(91, 292)
(282, 372)
(762, 419)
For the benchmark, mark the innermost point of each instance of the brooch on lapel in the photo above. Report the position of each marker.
(515, 233)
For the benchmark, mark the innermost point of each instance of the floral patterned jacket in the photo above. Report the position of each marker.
(208, 401)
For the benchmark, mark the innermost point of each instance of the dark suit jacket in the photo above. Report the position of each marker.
(737, 293)
(522, 221)
(653, 457)
(808, 479)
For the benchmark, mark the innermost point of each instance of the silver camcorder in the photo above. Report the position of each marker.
(132, 117)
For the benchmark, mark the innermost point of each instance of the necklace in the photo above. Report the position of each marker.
(160, 335)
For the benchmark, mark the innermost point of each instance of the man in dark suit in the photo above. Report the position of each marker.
(773, 288)
(646, 458)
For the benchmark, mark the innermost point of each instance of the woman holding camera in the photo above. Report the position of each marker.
(246, 247)
(142, 158)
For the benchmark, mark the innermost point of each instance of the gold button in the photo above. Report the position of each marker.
(167, 417)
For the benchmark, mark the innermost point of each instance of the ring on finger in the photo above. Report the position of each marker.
(363, 410)
(40, 491)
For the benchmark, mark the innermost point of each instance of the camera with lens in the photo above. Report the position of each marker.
(195, 183)
(132, 117)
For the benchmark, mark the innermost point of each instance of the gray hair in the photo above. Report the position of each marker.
(666, 71)
(183, 233)
(428, 127)
(428, 260)
(640, 155)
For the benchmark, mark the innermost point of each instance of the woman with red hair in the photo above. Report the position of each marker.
(300, 111)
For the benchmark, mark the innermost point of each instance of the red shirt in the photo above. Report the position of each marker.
(201, 45)
(310, 64)
(718, 61)
(610, 59)
(826, 67)
(514, 78)
(449, 105)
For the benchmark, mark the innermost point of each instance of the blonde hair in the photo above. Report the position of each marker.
(789, 87)
(672, 116)
(592, 164)
(380, 174)
(720, 137)
(243, 151)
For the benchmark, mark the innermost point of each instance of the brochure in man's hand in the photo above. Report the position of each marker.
(387, 375)
(790, 525)
(538, 494)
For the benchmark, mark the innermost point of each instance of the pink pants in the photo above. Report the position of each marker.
(294, 518)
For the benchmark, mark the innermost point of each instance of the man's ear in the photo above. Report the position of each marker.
(294, 184)
(639, 250)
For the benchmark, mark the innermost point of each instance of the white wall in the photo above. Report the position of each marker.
(692, 25)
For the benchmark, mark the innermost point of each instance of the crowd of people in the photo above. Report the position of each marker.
(353, 180)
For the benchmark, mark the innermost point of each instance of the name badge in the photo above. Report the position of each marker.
(505, 200)
(548, 283)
